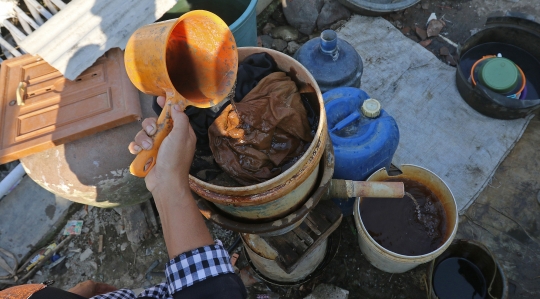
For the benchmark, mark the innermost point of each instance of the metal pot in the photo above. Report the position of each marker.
(287, 222)
(289, 190)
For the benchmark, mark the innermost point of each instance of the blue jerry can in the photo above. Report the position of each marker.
(365, 137)
(332, 61)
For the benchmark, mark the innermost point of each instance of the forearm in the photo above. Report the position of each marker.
(183, 226)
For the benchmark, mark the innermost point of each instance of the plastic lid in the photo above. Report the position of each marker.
(500, 75)
(371, 108)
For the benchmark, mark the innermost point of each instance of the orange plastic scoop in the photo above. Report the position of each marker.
(192, 60)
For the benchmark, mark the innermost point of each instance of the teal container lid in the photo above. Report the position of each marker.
(500, 75)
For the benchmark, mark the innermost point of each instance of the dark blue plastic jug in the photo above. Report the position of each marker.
(332, 61)
(364, 136)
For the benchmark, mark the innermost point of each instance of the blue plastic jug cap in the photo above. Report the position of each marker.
(371, 108)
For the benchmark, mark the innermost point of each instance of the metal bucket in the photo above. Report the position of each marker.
(392, 262)
(479, 255)
(286, 223)
(279, 196)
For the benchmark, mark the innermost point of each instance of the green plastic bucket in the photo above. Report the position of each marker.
(240, 15)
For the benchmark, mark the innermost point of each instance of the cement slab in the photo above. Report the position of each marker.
(29, 216)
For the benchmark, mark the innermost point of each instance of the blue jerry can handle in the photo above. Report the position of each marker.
(346, 121)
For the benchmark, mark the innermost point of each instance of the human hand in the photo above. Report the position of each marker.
(89, 288)
(175, 153)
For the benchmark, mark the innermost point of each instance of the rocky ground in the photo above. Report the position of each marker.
(135, 264)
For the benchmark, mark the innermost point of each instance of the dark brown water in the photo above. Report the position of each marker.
(403, 226)
(458, 278)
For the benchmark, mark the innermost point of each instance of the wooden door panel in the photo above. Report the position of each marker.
(57, 110)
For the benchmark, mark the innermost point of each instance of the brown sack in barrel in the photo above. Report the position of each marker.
(273, 129)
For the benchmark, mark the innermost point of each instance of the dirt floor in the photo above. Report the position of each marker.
(505, 216)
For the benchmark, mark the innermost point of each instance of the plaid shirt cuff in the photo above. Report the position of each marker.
(197, 265)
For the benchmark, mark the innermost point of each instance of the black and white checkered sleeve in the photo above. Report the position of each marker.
(197, 265)
(159, 291)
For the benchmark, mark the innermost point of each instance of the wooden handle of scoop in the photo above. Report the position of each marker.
(146, 159)
(347, 189)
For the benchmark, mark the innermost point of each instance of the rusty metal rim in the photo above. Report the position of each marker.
(206, 188)
(332, 247)
(271, 228)
(268, 195)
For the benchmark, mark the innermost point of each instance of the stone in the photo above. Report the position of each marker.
(434, 28)
(422, 34)
(286, 33)
(29, 215)
(425, 5)
(425, 43)
(94, 265)
(328, 291)
(302, 39)
(279, 44)
(398, 24)
(123, 246)
(267, 28)
(86, 254)
(414, 38)
(395, 16)
(444, 51)
(451, 60)
(292, 47)
(266, 41)
(338, 24)
(279, 16)
(314, 35)
(406, 30)
(303, 14)
(331, 12)
(96, 226)
(135, 224)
